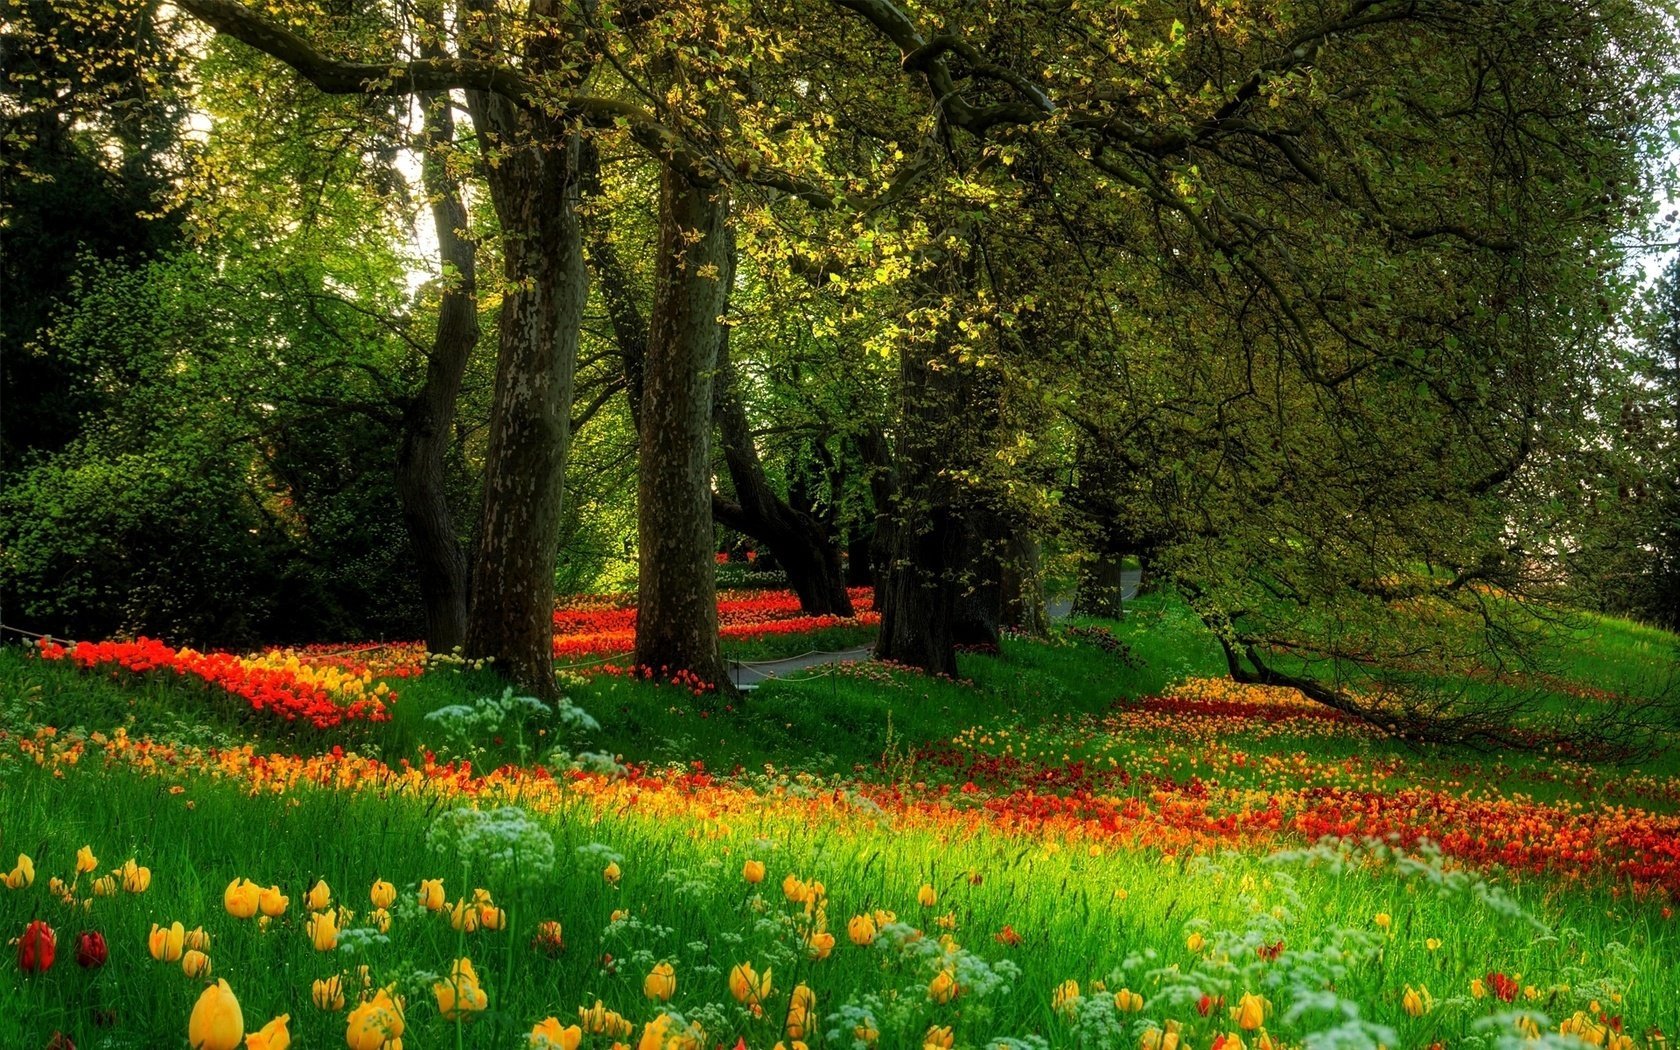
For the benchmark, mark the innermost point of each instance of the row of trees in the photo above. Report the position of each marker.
(1317, 310)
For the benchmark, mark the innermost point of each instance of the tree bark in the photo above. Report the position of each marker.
(440, 562)
(676, 626)
(1023, 586)
(533, 185)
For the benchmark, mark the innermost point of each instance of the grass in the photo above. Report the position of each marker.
(1037, 796)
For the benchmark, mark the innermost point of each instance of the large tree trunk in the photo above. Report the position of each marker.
(440, 563)
(533, 186)
(676, 625)
(980, 598)
(1023, 585)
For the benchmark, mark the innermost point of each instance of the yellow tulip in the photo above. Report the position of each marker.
(272, 902)
(195, 964)
(1230, 1041)
(753, 871)
(328, 993)
(660, 983)
(657, 1035)
(548, 1035)
(464, 916)
(1128, 1001)
(861, 930)
(431, 894)
(866, 1033)
(1477, 988)
(939, 1038)
(926, 896)
(272, 1036)
(23, 875)
(165, 943)
(197, 939)
(1065, 999)
(1157, 1039)
(319, 896)
(1383, 920)
(1195, 942)
(820, 944)
(1415, 1003)
(491, 917)
(376, 1024)
(460, 995)
(1251, 1011)
(135, 879)
(943, 988)
(598, 1020)
(323, 931)
(746, 985)
(85, 860)
(105, 886)
(383, 894)
(800, 1008)
(216, 1023)
(611, 873)
(1432, 943)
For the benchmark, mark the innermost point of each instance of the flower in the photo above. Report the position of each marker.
(820, 943)
(611, 873)
(105, 886)
(1195, 942)
(328, 993)
(1383, 920)
(272, 902)
(135, 879)
(1250, 1011)
(1477, 988)
(1502, 986)
(271, 1036)
(747, 986)
(85, 860)
(943, 988)
(1416, 1003)
(196, 938)
(195, 963)
(1157, 1039)
(460, 995)
(1128, 1001)
(660, 983)
(376, 1024)
(431, 894)
(1228, 1041)
(1432, 943)
(464, 916)
(598, 1020)
(381, 920)
(22, 875)
(939, 1038)
(1065, 999)
(548, 1035)
(753, 871)
(323, 930)
(37, 947)
(548, 938)
(319, 896)
(216, 1023)
(861, 929)
(383, 894)
(165, 944)
(800, 1008)
(1007, 936)
(926, 896)
(91, 951)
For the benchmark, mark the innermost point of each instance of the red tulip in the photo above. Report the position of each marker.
(90, 950)
(36, 947)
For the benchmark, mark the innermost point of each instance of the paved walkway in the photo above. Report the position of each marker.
(748, 676)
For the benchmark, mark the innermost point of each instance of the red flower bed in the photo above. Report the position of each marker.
(597, 626)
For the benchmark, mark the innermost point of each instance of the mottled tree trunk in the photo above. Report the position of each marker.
(440, 563)
(534, 188)
(1023, 586)
(676, 625)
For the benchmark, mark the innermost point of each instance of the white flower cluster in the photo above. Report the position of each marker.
(504, 842)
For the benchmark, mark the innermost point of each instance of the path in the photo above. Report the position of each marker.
(748, 676)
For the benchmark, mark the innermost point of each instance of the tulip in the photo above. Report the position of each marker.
(800, 1008)
(328, 993)
(939, 1037)
(548, 1035)
(91, 951)
(1383, 920)
(1157, 1039)
(943, 988)
(820, 944)
(1251, 1011)
(464, 917)
(926, 896)
(272, 902)
(1065, 999)
(660, 983)
(611, 873)
(753, 871)
(381, 920)
(323, 931)
(85, 860)
(431, 894)
(135, 879)
(1127, 1001)
(105, 886)
(1477, 988)
(861, 929)
(37, 947)
(460, 995)
(1228, 1041)
(747, 986)
(376, 1024)
(242, 898)
(319, 896)
(1195, 942)
(383, 894)
(23, 875)
(165, 943)
(866, 1033)
(196, 938)
(548, 938)
(1414, 1002)
(195, 963)
(216, 1022)
(1432, 943)
(491, 918)
(271, 1036)
(598, 1020)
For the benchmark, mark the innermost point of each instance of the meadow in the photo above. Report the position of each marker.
(1091, 840)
